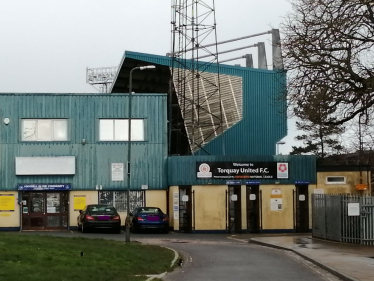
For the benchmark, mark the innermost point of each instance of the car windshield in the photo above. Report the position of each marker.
(101, 210)
(150, 210)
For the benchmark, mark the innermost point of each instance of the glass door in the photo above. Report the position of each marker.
(44, 210)
(33, 212)
(56, 211)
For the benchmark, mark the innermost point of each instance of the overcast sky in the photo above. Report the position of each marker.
(46, 45)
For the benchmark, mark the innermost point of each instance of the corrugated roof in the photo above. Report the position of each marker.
(254, 129)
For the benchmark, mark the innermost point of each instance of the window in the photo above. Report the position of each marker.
(118, 130)
(44, 130)
(118, 199)
(101, 209)
(335, 180)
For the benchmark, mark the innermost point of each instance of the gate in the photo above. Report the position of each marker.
(253, 209)
(344, 218)
(319, 216)
(367, 220)
(185, 209)
(302, 209)
(234, 212)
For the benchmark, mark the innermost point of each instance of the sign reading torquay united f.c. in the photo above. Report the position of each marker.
(204, 171)
(242, 170)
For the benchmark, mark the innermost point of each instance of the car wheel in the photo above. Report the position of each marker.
(133, 229)
(84, 229)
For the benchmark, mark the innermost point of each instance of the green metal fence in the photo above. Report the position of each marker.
(343, 218)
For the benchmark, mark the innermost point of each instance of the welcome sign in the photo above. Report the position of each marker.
(242, 170)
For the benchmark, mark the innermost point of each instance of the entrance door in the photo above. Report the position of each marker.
(253, 209)
(235, 206)
(185, 209)
(44, 210)
(302, 208)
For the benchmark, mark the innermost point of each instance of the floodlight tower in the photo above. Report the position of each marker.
(195, 82)
(103, 77)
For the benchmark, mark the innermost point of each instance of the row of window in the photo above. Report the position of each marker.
(57, 130)
(118, 199)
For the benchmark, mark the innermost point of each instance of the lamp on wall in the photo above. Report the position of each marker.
(129, 149)
(279, 143)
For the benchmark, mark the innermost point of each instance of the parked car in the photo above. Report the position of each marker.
(149, 218)
(99, 217)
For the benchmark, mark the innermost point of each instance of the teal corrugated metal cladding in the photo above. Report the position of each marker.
(93, 159)
(264, 120)
(182, 169)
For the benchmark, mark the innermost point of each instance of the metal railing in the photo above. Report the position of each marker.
(343, 218)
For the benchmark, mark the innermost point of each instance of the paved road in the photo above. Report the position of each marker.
(223, 257)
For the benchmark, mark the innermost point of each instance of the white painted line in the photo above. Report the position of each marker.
(176, 255)
(189, 258)
(237, 239)
(156, 276)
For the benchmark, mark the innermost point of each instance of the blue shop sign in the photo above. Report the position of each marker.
(55, 186)
(252, 182)
(233, 182)
(302, 182)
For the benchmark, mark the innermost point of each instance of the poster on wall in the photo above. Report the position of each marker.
(276, 204)
(276, 193)
(282, 170)
(7, 202)
(118, 171)
(79, 202)
(176, 205)
(353, 209)
(242, 170)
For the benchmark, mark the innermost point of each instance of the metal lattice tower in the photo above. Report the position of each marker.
(197, 90)
(101, 77)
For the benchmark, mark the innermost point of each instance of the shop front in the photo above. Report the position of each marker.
(44, 206)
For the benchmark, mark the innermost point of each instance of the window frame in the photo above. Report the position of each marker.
(52, 133)
(114, 131)
(139, 194)
(336, 182)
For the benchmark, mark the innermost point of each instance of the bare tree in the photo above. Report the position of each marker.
(329, 44)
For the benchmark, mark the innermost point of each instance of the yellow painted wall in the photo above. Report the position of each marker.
(352, 178)
(11, 219)
(210, 207)
(156, 198)
(282, 219)
(91, 198)
(173, 222)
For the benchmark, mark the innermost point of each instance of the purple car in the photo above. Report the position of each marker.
(149, 218)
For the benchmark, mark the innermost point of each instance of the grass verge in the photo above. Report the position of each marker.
(39, 258)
